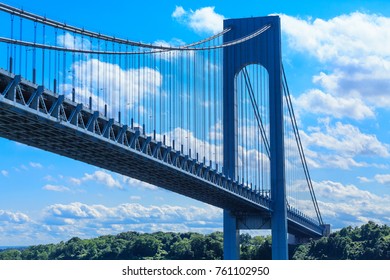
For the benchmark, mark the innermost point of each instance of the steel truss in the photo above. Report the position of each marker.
(35, 116)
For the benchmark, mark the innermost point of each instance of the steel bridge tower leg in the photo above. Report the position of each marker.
(231, 237)
(266, 51)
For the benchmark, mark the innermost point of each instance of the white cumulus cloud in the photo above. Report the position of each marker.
(382, 178)
(339, 145)
(178, 12)
(36, 165)
(55, 188)
(104, 178)
(137, 183)
(84, 220)
(144, 81)
(203, 21)
(318, 102)
(13, 217)
(345, 204)
(353, 52)
(132, 212)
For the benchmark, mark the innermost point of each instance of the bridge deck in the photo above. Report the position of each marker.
(37, 117)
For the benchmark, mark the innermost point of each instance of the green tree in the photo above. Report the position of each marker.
(367, 242)
(214, 246)
(181, 250)
(10, 255)
(198, 245)
(144, 246)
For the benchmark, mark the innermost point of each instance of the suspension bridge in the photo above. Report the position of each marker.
(211, 120)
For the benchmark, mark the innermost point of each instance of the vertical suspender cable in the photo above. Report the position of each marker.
(132, 85)
(73, 68)
(161, 112)
(120, 87)
(80, 78)
(91, 79)
(11, 54)
(50, 66)
(138, 71)
(210, 105)
(112, 81)
(34, 53)
(193, 80)
(43, 54)
(98, 88)
(20, 47)
(64, 68)
(55, 64)
(180, 97)
(218, 104)
(127, 83)
(188, 95)
(105, 86)
(155, 74)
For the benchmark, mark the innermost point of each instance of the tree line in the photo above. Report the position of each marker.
(369, 241)
(141, 246)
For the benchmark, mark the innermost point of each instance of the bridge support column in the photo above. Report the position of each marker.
(279, 234)
(278, 183)
(264, 50)
(231, 237)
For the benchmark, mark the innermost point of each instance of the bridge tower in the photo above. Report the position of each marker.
(264, 50)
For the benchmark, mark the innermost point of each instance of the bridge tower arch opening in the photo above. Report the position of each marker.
(252, 129)
(264, 50)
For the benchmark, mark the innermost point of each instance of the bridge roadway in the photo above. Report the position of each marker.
(35, 116)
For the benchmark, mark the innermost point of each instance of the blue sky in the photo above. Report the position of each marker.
(338, 66)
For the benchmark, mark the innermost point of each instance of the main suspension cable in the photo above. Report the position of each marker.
(300, 146)
(82, 31)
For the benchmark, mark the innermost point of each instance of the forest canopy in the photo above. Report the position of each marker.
(367, 242)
